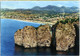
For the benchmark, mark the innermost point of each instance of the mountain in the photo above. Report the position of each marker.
(36, 7)
(50, 9)
(57, 9)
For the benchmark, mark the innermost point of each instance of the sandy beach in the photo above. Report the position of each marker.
(50, 23)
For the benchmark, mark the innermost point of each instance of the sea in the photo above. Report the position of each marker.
(8, 47)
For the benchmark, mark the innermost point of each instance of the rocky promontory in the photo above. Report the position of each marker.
(18, 37)
(29, 37)
(63, 35)
(44, 36)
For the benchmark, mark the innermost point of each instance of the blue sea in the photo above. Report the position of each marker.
(8, 47)
(8, 28)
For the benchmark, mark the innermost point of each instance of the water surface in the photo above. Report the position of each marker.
(8, 47)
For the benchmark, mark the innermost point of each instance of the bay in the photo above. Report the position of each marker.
(8, 47)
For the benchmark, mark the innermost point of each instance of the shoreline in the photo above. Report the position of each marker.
(33, 21)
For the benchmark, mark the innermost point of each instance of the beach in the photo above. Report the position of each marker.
(50, 23)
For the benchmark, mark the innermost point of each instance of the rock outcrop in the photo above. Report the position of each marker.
(43, 36)
(65, 36)
(18, 36)
(29, 35)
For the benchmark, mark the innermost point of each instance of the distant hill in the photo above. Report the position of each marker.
(57, 9)
(44, 14)
(48, 9)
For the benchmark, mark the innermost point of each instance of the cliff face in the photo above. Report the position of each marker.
(29, 37)
(65, 36)
(44, 36)
(19, 37)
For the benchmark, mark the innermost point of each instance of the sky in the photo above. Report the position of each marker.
(31, 4)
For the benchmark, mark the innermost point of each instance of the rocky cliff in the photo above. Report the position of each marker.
(18, 36)
(44, 36)
(29, 37)
(65, 36)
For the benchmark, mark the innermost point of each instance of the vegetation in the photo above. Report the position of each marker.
(39, 15)
(68, 20)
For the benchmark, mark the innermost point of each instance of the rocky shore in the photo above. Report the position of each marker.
(60, 35)
(65, 36)
(29, 37)
(19, 37)
(44, 36)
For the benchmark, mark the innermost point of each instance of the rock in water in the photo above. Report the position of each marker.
(29, 34)
(18, 37)
(65, 36)
(44, 36)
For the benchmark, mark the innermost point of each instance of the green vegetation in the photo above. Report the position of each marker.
(40, 15)
(69, 20)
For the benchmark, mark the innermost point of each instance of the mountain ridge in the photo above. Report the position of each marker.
(56, 9)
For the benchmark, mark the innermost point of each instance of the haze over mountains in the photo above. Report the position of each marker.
(52, 8)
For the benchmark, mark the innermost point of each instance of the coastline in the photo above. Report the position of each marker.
(33, 21)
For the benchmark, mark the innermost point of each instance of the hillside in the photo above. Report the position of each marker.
(57, 9)
(44, 14)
